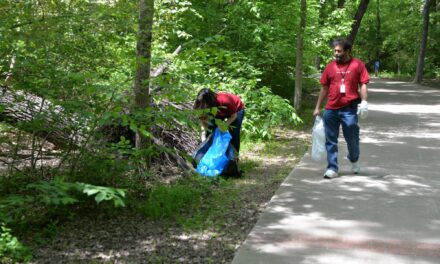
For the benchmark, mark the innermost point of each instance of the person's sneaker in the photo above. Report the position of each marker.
(329, 174)
(355, 167)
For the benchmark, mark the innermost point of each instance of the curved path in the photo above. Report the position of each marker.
(389, 213)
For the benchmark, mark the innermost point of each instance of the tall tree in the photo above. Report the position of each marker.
(299, 56)
(423, 41)
(363, 5)
(378, 34)
(321, 21)
(143, 64)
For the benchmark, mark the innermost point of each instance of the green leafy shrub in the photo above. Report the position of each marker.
(11, 250)
(231, 71)
(102, 193)
(266, 111)
(49, 196)
(104, 168)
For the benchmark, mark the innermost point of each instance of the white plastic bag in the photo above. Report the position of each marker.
(318, 140)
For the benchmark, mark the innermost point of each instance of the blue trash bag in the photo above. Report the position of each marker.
(231, 170)
(215, 160)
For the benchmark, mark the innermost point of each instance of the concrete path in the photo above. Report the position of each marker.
(389, 213)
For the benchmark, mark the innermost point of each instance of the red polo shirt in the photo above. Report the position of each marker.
(353, 72)
(228, 104)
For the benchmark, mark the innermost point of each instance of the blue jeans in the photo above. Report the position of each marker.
(234, 129)
(333, 119)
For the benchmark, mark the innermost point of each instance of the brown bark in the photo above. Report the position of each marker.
(143, 64)
(363, 5)
(423, 42)
(318, 59)
(55, 125)
(161, 69)
(378, 28)
(299, 56)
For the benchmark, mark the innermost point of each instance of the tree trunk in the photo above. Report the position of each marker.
(143, 64)
(423, 42)
(363, 5)
(399, 45)
(299, 56)
(378, 26)
(318, 59)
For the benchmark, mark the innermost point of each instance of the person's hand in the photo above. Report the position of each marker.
(222, 125)
(316, 112)
(363, 109)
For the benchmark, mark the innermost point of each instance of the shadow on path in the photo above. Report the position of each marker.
(389, 213)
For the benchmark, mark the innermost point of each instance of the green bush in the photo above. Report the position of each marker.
(11, 250)
(231, 71)
(51, 196)
(265, 111)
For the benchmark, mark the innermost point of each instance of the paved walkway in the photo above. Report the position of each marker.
(390, 213)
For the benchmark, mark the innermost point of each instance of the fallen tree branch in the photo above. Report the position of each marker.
(20, 107)
(66, 131)
(161, 69)
(181, 162)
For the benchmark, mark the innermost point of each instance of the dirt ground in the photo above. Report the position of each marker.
(127, 237)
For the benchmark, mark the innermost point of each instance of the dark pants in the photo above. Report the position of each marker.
(234, 129)
(348, 119)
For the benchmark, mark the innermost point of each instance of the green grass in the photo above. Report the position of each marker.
(194, 202)
(170, 201)
(430, 81)
(395, 76)
(198, 203)
(273, 148)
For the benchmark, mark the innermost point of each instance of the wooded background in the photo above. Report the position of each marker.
(98, 92)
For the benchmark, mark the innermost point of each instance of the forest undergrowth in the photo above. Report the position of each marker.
(191, 220)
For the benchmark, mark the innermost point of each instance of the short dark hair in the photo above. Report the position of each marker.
(206, 98)
(345, 44)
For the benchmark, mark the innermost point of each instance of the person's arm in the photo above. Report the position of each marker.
(224, 126)
(204, 125)
(364, 92)
(322, 95)
(363, 106)
(231, 119)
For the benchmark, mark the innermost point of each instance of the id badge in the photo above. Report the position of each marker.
(342, 88)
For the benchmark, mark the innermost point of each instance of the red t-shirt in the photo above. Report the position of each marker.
(353, 72)
(228, 104)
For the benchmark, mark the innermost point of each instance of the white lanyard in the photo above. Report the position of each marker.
(342, 86)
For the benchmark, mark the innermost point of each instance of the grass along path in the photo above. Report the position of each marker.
(191, 221)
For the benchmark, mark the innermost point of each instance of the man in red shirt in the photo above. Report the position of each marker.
(344, 85)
